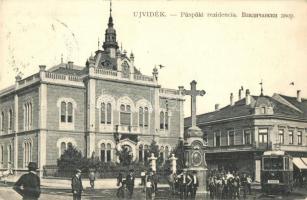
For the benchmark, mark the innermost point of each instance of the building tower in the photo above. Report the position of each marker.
(110, 44)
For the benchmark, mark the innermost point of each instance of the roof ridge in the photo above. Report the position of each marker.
(281, 99)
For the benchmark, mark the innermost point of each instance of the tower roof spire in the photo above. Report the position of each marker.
(261, 84)
(110, 24)
(110, 34)
(110, 8)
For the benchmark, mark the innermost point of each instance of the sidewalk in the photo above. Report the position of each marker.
(66, 184)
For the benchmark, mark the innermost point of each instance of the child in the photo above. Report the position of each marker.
(149, 188)
(122, 191)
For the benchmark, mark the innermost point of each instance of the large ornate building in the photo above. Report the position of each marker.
(99, 107)
(239, 133)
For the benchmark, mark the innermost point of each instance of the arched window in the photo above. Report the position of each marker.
(103, 113)
(30, 114)
(141, 112)
(166, 120)
(108, 152)
(27, 152)
(63, 111)
(2, 121)
(146, 117)
(63, 147)
(9, 154)
(69, 145)
(109, 113)
(69, 112)
(1, 154)
(161, 120)
(102, 152)
(25, 116)
(10, 120)
(125, 115)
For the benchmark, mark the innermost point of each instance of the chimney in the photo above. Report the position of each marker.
(240, 91)
(247, 97)
(298, 96)
(217, 106)
(231, 99)
(70, 64)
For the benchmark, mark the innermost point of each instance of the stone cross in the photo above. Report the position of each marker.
(193, 93)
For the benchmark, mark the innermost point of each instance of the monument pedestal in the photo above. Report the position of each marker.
(195, 158)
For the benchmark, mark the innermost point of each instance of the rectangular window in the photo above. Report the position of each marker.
(291, 137)
(263, 136)
(299, 137)
(281, 136)
(218, 139)
(125, 118)
(231, 138)
(247, 137)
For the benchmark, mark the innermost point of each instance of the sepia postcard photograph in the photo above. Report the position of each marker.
(155, 99)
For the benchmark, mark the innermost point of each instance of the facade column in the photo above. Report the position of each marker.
(91, 124)
(18, 78)
(181, 101)
(42, 138)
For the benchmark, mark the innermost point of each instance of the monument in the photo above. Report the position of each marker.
(194, 146)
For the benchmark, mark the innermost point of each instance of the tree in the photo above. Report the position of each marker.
(154, 148)
(125, 156)
(71, 160)
(179, 153)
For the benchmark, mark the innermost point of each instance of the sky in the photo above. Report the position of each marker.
(220, 53)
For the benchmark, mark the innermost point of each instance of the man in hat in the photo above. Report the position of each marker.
(184, 180)
(76, 185)
(28, 185)
(130, 182)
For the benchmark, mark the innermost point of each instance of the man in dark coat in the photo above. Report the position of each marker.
(76, 185)
(28, 185)
(194, 184)
(130, 182)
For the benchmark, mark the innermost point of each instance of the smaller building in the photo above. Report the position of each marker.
(238, 134)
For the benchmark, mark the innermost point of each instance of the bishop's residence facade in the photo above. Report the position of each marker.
(99, 107)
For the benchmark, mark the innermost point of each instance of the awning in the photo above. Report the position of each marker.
(299, 162)
(304, 160)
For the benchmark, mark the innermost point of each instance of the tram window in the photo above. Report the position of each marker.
(273, 163)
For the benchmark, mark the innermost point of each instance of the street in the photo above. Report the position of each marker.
(7, 193)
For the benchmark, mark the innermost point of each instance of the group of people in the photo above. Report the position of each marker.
(229, 185)
(185, 184)
(126, 186)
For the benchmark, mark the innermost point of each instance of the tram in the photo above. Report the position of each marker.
(276, 172)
